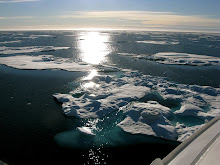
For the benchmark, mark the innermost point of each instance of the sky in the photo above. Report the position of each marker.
(174, 15)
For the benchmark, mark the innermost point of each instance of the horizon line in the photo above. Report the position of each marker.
(112, 29)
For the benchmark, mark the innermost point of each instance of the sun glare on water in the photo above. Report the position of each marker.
(91, 75)
(93, 47)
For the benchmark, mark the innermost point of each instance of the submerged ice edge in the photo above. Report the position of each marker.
(151, 105)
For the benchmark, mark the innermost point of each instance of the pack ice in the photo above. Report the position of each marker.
(173, 58)
(146, 102)
(29, 49)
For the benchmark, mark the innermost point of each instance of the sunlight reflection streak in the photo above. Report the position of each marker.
(93, 47)
(91, 75)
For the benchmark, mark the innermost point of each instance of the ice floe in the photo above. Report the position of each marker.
(43, 62)
(192, 110)
(151, 105)
(30, 49)
(52, 62)
(96, 103)
(10, 42)
(184, 132)
(33, 36)
(159, 42)
(185, 59)
(40, 35)
(150, 119)
(178, 58)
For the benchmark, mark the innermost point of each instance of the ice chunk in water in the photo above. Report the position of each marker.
(150, 119)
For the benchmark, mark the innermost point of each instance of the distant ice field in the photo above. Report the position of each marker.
(160, 85)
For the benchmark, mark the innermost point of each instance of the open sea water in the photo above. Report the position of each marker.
(34, 130)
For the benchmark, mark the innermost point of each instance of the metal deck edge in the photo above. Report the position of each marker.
(183, 145)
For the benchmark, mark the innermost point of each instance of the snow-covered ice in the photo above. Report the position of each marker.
(51, 62)
(96, 103)
(148, 105)
(145, 102)
(159, 42)
(40, 35)
(10, 42)
(150, 119)
(18, 50)
(178, 58)
(185, 59)
(192, 110)
(43, 62)
(184, 132)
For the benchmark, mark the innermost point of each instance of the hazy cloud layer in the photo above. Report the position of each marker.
(147, 17)
(17, 1)
(15, 17)
(113, 20)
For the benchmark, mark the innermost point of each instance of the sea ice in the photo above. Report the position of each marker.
(150, 119)
(184, 59)
(136, 127)
(30, 49)
(40, 35)
(177, 58)
(48, 61)
(86, 131)
(189, 110)
(106, 68)
(94, 103)
(10, 42)
(22, 36)
(145, 102)
(184, 132)
(143, 99)
(192, 110)
(159, 42)
(43, 62)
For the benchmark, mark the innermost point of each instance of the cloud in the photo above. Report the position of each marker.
(116, 20)
(26, 17)
(18, 1)
(146, 18)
